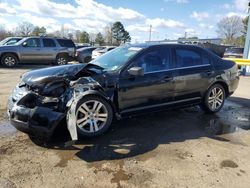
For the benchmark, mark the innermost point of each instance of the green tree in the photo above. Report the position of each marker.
(37, 31)
(118, 32)
(99, 39)
(84, 37)
(126, 37)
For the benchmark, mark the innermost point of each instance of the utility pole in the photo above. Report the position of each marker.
(185, 35)
(246, 69)
(150, 32)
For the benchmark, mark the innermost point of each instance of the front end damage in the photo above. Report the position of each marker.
(39, 110)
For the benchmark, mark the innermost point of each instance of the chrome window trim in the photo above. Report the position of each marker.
(196, 66)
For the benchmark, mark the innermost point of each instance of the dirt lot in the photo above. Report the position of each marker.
(180, 148)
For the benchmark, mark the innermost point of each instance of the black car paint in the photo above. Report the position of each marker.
(128, 95)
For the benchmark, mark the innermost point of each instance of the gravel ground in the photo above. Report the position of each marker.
(178, 148)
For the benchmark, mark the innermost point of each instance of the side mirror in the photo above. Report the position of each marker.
(136, 71)
(24, 44)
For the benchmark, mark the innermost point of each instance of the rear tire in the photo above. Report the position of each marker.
(214, 99)
(87, 59)
(62, 60)
(94, 116)
(9, 60)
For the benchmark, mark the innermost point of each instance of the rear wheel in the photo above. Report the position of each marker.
(61, 60)
(94, 116)
(214, 99)
(87, 59)
(9, 60)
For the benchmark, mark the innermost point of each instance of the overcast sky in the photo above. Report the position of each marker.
(169, 18)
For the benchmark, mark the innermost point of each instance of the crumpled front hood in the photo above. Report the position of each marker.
(46, 75)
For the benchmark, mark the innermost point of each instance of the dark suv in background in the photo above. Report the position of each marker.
(84, 55)
(234, 52)
(38, 50)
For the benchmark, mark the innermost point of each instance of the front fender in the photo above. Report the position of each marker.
(80, 91)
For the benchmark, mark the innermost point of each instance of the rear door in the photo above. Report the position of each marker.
(30, 50)
(154, 88)
(49, 50)
(194, 72)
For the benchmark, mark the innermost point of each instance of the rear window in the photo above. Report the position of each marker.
(66, 43)
(48, 43)
(187, 57)
(235, 50)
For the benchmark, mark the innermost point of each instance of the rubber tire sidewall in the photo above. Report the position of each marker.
(109, 120)
(9, 55)
(205, 106)
(62, 56)
(87, 59)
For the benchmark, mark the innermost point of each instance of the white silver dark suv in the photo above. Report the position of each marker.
(38, 50)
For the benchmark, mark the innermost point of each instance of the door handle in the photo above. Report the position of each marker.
(167, 79)
(209, 73)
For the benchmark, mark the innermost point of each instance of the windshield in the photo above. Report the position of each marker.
(4, 41)
(114, 59)
(12, 41)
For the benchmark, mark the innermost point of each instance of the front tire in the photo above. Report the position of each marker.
(214, 99)
(9, 60)
(94, 116)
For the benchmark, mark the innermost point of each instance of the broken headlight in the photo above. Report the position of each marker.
(54, 89)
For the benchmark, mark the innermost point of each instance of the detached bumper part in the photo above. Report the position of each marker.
(39, 121)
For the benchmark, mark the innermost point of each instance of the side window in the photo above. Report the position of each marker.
(32, 43)
(187, 58)
(48, 43)
(155, 60)
(66, 43)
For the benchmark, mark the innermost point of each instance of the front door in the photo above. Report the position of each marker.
(30, 50)
(155, 87)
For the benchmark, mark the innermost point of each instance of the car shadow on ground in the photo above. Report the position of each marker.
(28, 66)
(32, 66)
(136, 136)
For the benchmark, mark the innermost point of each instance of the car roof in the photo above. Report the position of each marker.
(46, 37)
(147, 45)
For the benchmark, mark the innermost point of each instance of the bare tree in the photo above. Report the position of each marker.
(77, 36)
(92, 37)
(108, 36)
(230, 28)
(25, 28)
(4, 34)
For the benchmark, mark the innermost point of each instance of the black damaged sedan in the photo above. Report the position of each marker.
(130, 80)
